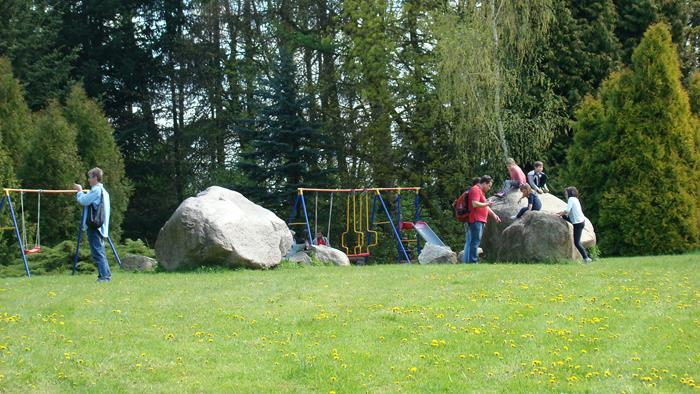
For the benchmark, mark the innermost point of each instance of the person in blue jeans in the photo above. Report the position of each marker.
(479, 210)
(97, 195)
(465, 258)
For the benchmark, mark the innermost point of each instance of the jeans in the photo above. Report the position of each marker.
(509, 185)
(465, 258)
(578, 230)
(476, 230)
(521, 213)
(97, 248)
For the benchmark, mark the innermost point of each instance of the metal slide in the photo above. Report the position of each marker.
(427, 233)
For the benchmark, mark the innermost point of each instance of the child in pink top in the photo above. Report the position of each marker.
(517, 178)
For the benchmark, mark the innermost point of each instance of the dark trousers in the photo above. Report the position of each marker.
(521, 213)
(578, 230)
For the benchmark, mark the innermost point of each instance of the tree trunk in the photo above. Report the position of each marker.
(498, 87)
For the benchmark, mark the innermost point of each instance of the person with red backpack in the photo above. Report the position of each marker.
(461, 208)
(479, 210)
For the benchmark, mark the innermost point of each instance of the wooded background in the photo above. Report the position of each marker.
(172, 96)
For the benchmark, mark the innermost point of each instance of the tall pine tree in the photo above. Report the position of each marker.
(635, 155)
(97, 148)
(286, 147)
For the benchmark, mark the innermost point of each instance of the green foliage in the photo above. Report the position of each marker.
(694, 93)
(29, 37)
(97, 148)
(368, 56)
(53, 163)
(495, 97)
(286, 147)
(646, 199)
(16, 126)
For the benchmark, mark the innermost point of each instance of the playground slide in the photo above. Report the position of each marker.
(427, 233)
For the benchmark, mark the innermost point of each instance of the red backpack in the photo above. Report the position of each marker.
(461, 207)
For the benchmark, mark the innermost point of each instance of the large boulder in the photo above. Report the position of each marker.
(135, 262)
(552, 204)
(222, 227)
(328, 255)
(436, 254)
(537, 237)
(497, 246)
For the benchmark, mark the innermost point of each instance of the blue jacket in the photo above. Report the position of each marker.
(93, 198)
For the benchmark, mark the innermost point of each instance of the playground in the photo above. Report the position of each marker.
(625, 325)
(362, 224)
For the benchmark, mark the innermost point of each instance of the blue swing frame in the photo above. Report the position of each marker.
(6, 197)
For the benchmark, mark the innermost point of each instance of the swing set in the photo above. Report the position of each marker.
(22, 238)
(360, 219)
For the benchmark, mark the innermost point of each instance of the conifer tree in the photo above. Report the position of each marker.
(97, 148)
(15, 120)
(694, 93)
(635, 155)
(286, 147)
(53, 163)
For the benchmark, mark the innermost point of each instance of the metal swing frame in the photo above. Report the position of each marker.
(6, 197)
(366, 235)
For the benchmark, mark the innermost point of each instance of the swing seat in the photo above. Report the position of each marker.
(358, 255)
(34, 250)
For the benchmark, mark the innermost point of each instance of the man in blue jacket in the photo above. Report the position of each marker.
(97, 195)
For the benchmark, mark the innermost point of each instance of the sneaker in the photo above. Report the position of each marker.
(513, 217)
(587, 260)
(500, 194)
(100, 280)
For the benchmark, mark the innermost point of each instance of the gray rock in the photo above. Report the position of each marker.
(222, 227)
(547, 232)
(326, 254)
(135, 262)
(552, 204)
(434, 254)
(460, 256)
(300, 257)
(537, 237)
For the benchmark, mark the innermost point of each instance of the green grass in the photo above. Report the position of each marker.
(617, 325)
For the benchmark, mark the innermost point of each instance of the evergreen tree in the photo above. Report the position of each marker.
(582, 51)
(15, 119)
(694, 92)
(29, 37)
(97, 148)
(635, 151)
(287, 148)
(53, 163)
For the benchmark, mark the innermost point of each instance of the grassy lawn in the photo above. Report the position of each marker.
(618, 325)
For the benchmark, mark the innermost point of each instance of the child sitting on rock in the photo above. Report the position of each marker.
(320, 239)
(533, 202)
(538, 179)
(517, 178)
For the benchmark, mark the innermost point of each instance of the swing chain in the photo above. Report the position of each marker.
(37, 239)
(24, 229)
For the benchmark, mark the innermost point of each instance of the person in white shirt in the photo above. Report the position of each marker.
(574, 215)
